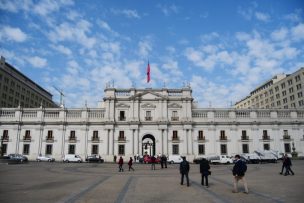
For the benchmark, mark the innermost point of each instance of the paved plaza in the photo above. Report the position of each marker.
(90, 182)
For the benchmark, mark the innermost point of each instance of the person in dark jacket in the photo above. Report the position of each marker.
(130, 163)
(204, 169)
(153, 160)
(238, 172)
(120, 163)
(288, 166)
(163, 161)
(283, 164)
(184, 169)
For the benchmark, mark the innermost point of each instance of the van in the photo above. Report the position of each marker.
(222, 159)
(173, 159)
(72, 158)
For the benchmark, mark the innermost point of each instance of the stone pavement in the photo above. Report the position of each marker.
(90, 182)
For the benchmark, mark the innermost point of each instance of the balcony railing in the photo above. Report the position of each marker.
(72, 139)
(245, 138)
(5, 138)
(266, 137)
(95, 139)
(121, 139)
(27, 138)
(148, 118)
(286, 137)
(175, 139)
(174, 118)
(122, 118)
(200, 137)
(49, 139)
(223, 138)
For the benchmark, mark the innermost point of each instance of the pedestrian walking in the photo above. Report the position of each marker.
(184, 169)
(130, 164)
(238, 172)
(153, 160)
(288, 165)
(205, 171)
(163, 160)
(283, 164)
(120, 163)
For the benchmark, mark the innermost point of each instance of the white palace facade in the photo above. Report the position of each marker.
(153, 121)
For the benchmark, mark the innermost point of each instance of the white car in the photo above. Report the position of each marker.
(222, 159)
(44, 158)
(174, 159)
(72, 158)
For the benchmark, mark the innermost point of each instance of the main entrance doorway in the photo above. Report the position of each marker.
(148, 145)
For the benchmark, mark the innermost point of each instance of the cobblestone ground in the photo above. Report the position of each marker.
(90, 182)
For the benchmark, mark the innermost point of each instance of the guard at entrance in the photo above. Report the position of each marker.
(184, 169)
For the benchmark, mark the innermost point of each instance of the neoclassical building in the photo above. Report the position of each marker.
(153, 121)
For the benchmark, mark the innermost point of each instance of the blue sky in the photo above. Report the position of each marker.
(223, 49)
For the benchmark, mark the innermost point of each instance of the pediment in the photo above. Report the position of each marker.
(148, 105)
(174, 105)
(122, 105)
(148, 96)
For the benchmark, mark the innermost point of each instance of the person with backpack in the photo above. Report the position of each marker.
(238, 172)
(184, 169)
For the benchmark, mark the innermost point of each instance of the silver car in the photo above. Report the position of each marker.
(44, 158)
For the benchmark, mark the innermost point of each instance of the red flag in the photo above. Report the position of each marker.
(148, 73)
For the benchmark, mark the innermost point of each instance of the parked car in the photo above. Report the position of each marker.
(174, 159)
(94, 158)
(222, 159)
(45, 158)
(72, 158)
(18, 158)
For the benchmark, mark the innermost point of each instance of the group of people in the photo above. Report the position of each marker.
(287, 165)
(238, 172)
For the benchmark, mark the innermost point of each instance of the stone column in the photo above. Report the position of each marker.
(166, 142)
(107, 141)
(63, 139)
(186, 151)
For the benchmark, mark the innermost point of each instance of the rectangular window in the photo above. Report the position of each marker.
(95, 149)
(299, 86)
(27, 133)
(284, 93)
(265, 133)
(222, 135)
(289, 82)
(200, 135)
(298, 78)
(95, 134)
(283, 85)
(291, 90)
(5, 134)
(287, 147)
(26, 149)
(277, 96)
(4, 148)
(223, 149)
(122, 116)
(175, 149)
(71, 149)
(72, 135)
(284, 100)
(245, 148)
(50, 134)
(175, 134)
(121, 149)
(201, 149)
(48, 149)
(121, 134)
(244, 135)
(292, 97)
(266, 147)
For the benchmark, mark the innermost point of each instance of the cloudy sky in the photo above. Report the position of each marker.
(223, 49)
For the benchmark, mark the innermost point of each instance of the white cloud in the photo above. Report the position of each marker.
(280, 34)
(262, 16)
(12, 34)
(295, 17)
(298, 32)
(37, 61)
(15, 6)
(126, 12)
(62, 49)
(172, 67)
(144, 48)
(167, 10)
(75, 33)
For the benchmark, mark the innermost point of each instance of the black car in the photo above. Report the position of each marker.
(17, 158)
(94, 158)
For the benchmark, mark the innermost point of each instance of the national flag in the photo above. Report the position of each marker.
(148, 73)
